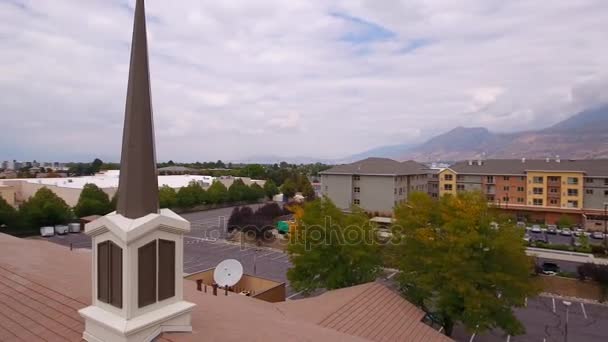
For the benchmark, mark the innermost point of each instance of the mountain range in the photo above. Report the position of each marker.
(582, 136)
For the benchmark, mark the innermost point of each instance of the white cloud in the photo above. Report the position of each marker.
(232, 78)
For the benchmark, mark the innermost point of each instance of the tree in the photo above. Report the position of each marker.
(254, 171)
(598, 273)
(330, 249)
(45, 208)
(255, 192)
(306, 189)
(8, 214)
(270, 188)
(237, 191)
(288, 189)
(95, 166)
(217, 193)
(565, 222)
(92, 201)
(456, 263)
(167, 197)
(191, 195)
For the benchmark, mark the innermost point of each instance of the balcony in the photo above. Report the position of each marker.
(554, 183)
(553, 195)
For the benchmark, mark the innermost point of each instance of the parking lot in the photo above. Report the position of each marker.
(560, 239)
(545, 321)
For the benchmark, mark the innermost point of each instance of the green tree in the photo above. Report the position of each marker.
(237, 191)
(254, 171)
(306, 189)
(270, 188)
(167, 197)
(8, 214)
(217, 193)
(95, 166)
(330, 249)
(456, 263)
(45, 208)
(289, 189)
(255, 192)
(92, 201)
(565, 222)
(191, 195)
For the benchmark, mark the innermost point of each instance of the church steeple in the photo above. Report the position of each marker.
(138, 184)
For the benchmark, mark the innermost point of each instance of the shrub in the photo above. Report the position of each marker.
(92, 201)
(45, 208)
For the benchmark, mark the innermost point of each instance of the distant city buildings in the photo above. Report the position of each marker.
(542, 191)
(14, 165)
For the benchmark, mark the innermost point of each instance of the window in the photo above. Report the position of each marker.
(490, 179)
(505, 199)
(572, 192)
(156, 272)
(448, 177)
(506, 178)
(460, 187)
(537, 180)
(109, 273)
(554, 190)
(572, 204)
(606, 182)
(357, 189)
(553, 179)
(553, 201)
(326, 188)
(447, 187)
(520, 200)
(537, 201)
(588, 180)
(521, 189)
(589, 191)
(605, 193)
(356, 177)
(356, 201)
(538, 191)
(572, 180)
(522, 178)
(506, 188)
(460, 178)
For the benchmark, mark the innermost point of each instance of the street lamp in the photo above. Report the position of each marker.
(605, 226)
(567, 304)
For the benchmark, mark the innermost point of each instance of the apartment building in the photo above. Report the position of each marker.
(374, 184)
(543, 190)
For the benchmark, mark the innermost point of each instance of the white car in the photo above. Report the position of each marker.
(597, 235)
(536, 229)
(566, 232)
(527, 238)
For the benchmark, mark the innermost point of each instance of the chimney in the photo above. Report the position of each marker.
(547, 159)
(470, 162)
(479, 162)
(557, 160)
(137, 283)
(523, 160)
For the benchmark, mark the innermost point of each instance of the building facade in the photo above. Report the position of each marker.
(374, 184)
(540, 190)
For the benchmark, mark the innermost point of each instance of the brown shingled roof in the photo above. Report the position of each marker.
(591, 167)
(43, 285)
(379, 166)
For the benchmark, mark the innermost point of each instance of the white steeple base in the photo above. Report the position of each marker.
(103, 326)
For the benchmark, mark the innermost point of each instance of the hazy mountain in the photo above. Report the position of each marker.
(584, 135)
(380, 152)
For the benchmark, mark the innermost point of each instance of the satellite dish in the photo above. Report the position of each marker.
(228, 273)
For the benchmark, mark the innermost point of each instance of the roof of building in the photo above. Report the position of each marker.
(176, 169)
(591, 167)
(43, 285)
(379, 166)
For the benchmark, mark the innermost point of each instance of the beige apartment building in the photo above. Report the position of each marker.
(374, 184)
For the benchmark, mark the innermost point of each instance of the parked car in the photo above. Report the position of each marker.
(521, 224)
(579, 232)
(47, 231)
(597, 235)
(549, 268)
(527, 237)
(536, 229)
(566, 232)
(61, 229)
(552, 231)
(549, 226)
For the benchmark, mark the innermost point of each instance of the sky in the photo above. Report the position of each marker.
(237, 80)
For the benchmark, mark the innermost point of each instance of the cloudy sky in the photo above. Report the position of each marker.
(236, 79)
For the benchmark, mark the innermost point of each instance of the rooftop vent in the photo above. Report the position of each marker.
(470, 162)
(523, 160)
(480, 162)
(557, 159)
(547, 159)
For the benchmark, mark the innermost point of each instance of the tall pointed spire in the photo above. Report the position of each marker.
(138, 185)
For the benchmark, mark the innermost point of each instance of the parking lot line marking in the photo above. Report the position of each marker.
(293, 295)
(553, 299)
(391, 275)
(267, 254)
(584, 312)
(508, 338)
(472, 337)
(279, 257)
